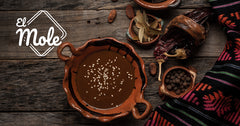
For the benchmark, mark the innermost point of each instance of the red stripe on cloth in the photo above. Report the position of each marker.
(237, 15)
(194, 100)
(148, 123)
(190, 98)
(161, 121)
(236, 115)
(164, 122)
(199, 87)
(154, 118)
(209, 87)
(168, 124)
(237, 120)
(224, 20)
(224, 56)
(157, 121)
(204, 87)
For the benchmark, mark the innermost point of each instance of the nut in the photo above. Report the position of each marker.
(112, 15)
(153, 69)
(130, 12)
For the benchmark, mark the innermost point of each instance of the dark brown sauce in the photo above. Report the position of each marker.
(105, 79)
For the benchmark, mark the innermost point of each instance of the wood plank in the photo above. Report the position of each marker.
(36, 85)
(83, 4)
(83, 25)
(60, 119)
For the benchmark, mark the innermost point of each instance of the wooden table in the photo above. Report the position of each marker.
(31, 90)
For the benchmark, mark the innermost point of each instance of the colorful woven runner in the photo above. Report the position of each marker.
(215, 100)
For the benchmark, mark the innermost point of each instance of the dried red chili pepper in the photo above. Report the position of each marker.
(183, 34)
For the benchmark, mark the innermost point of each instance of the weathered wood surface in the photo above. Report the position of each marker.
(83, 4)
(36, 85)
(88, 24)
(60, 119)
(31, 90)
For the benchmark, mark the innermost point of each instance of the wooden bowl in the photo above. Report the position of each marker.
(158, 6)
(164, 91)
(131, 34)
(104, 79)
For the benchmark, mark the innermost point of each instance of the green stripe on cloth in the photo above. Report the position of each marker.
(185, 113)
(226, 73)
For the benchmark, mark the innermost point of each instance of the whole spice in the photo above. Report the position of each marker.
(178, 80)
(112, 15)
(183, 35)
(130, 12)
(153, 69)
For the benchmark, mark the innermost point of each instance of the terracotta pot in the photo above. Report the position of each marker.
(72, 83)
(158, 6)
(164, 91)
(131, 34)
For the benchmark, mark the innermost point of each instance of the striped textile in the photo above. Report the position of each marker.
(215, 100)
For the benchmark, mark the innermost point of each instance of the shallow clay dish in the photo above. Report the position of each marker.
(104, 79)
(158, 6)
(163, 89)
(131, 34)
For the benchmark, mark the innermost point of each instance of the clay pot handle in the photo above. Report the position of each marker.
(60, 49)
(193, 72)
(148, 109)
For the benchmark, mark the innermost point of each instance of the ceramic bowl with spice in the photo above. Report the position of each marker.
(158, 4)
(177, 81)
(104, 79)
(132, 34)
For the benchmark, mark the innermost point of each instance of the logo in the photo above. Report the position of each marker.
(40, 44)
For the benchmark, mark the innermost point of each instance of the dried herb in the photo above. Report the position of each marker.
(146, 30)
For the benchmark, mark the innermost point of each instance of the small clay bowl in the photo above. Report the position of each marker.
(104, 79)
(158, 6)
(131, 34)
(163, 87)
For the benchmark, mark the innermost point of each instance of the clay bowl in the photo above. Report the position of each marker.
(163, 87)
(104, 79)
(158, 6)
(131, 34)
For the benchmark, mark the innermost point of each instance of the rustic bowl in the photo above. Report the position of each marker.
(131, 34)
(164, 91)
(158, 6)
(72, 84)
